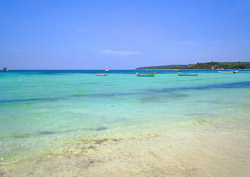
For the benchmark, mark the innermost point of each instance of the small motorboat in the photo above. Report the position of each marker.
(145, 75)
(228, 72)
(101, 74)
(5, 69)
(187, 74)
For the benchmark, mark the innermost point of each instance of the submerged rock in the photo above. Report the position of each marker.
(101, 128)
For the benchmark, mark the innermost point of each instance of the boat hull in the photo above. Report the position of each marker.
(145, 75)
(101, 74)
(187, 74)
(228, 72)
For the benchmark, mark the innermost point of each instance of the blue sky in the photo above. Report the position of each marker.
(122, 34)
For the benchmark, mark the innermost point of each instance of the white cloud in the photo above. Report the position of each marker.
(117, 53)
(245, 41)
(15, 50)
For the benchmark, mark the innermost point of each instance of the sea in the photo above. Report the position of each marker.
(41, 110)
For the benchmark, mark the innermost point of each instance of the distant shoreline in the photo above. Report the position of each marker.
(203, 66)
(195, 69)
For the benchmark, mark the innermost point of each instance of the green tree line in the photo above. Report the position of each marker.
(207, 65)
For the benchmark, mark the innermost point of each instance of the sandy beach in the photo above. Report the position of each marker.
(204, 149)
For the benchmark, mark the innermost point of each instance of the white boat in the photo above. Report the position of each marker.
(103, 74)
(228, 72)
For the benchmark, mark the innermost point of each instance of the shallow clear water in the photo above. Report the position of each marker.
(45, 109)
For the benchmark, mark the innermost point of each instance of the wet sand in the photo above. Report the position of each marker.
(203, 149)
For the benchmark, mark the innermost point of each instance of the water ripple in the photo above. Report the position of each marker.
(151, 91)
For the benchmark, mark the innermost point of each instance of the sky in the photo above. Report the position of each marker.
(122, 34)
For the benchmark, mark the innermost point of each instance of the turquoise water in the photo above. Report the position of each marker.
(46, 109)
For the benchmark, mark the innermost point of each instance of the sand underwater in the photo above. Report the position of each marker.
(72, 123)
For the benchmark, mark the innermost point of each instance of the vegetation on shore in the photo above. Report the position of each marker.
(208, 65)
